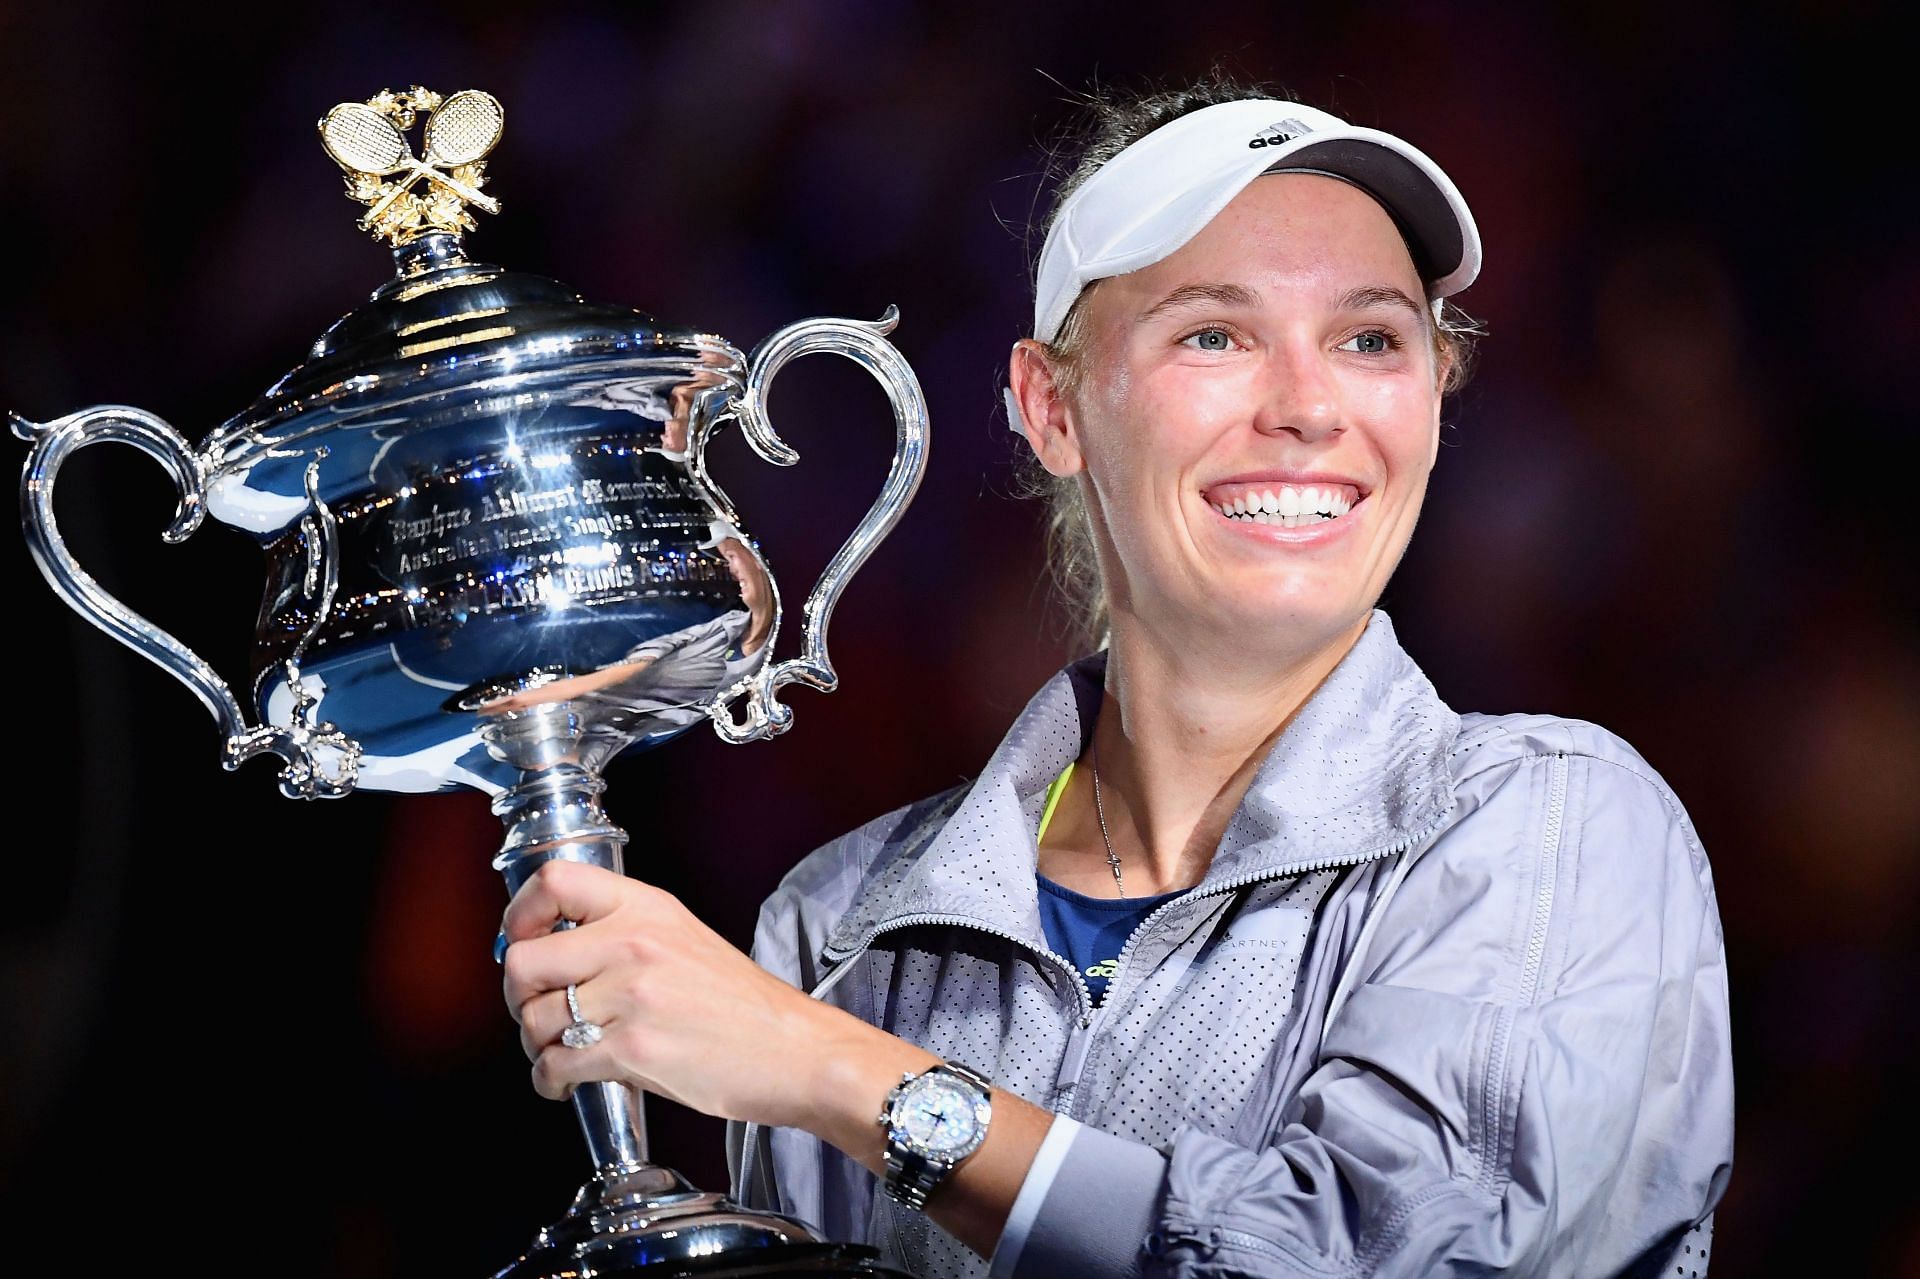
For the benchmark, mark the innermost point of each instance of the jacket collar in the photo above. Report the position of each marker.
(1361, 772)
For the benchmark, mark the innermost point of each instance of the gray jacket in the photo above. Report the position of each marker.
(1451, 1000)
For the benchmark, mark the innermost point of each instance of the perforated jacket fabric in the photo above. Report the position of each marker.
(1451, 1000)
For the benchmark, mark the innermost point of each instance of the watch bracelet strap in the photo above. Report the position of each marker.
(967, 1073)
(911, 1177)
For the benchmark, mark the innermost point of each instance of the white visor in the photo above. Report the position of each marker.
(1154, 196)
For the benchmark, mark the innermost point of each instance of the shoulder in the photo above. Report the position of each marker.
(1562, 930)
(1573, 801)
(1569, 877)
(810, 899)
(1489, 741)
(1491, 748)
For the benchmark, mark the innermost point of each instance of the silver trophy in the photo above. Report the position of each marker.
(496, 559)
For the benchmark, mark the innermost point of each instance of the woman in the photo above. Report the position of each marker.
(1375, 987)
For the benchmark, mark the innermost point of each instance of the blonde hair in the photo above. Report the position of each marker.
(1110, 121)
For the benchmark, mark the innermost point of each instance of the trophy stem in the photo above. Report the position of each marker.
(555, 812)
(633, 1218)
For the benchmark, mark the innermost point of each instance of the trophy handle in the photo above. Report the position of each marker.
(321, 762)
(866, 345)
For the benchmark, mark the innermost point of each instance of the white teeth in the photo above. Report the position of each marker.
(1287, 506)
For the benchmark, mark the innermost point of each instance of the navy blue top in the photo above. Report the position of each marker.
(1090, 931)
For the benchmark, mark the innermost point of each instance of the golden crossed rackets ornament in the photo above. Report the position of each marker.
(369, 140)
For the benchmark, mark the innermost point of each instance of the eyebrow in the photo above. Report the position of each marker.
(1361, 298)
(1368, 296)
(1195, 294)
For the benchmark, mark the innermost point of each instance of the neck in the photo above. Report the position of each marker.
(1180, 740)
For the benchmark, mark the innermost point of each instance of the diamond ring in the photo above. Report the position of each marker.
(582, 1033)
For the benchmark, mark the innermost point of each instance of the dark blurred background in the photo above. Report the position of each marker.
(236, 1029)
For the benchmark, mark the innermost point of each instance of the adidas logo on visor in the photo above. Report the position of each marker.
(1276, 134)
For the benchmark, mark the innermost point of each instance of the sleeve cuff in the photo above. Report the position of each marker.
(1033, 1192)
(1086, 1207)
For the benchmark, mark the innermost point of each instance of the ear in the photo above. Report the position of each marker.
(1034, 387)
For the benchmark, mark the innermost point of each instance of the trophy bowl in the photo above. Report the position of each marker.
(495, 559)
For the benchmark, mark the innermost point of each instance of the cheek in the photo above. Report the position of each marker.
(1112, 422)
(1145, 438)
(1195, 403)
(1134, 481)
(1405, 420)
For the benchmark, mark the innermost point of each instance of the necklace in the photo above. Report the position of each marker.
(1100, 811)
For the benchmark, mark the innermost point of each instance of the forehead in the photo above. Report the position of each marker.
(1285, 231)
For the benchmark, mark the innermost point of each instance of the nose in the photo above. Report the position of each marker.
(1301, 396)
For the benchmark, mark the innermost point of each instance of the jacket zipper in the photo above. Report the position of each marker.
(1194, 894)
(1298, 868)
(1549, 873)
(1212, 1238)
(914, 921)
(1198, 891)
(1252, 1243)
(1495, 1087)
(1079, 1040)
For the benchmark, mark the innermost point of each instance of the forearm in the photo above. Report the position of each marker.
(858, 1064)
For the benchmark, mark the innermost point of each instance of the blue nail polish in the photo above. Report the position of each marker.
(500, 947)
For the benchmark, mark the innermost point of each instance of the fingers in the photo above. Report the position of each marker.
(537, 960)
(565, 890)
(539, 967)
(629, 938)
(616, 1057)
(543, 1017)
(558, 1069)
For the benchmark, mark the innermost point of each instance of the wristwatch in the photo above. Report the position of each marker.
(933, 1120)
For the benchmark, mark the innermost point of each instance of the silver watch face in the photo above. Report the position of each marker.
(939, 1117)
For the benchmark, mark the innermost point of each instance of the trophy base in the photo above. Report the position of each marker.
(649, 1222)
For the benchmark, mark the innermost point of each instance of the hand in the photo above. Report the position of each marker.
(684, 1014)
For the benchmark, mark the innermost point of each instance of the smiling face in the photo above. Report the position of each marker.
(1252, 420)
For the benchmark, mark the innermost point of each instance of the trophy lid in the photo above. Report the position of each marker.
(444, 326)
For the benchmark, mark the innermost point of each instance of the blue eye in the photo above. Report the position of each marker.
(1372, 342)
(1209, 340)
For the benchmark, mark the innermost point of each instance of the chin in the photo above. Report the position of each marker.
(1290, 622)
